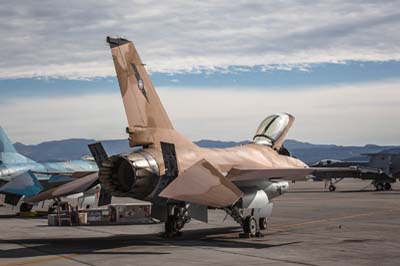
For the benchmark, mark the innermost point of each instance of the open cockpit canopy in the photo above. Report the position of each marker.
(273, 130)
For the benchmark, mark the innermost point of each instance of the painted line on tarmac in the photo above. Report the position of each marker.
(290, 226)
(27, 262)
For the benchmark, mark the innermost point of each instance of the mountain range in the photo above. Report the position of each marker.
(73, 149)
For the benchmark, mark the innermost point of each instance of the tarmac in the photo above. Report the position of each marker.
(310, 226)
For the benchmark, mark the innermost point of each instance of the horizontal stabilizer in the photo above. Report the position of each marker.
(44, 195)
(202, 184)
(25, 184)
(76, 186)
(60, 179)
(72, 174)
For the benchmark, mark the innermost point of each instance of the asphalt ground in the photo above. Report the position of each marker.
(353, 226)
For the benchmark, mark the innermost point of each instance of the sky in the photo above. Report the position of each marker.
(219, 68)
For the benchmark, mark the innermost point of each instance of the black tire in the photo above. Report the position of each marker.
(25, 207)
(170, 225)
(388, 186)
(250, 225)
(379, 187)
(52, 208)
(332, 188)
(262, 223)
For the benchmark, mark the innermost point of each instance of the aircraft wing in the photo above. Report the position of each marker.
(298, 174)
(72, 174)
(248, 174)
(202, 184)
(352, 171)
(73, 187)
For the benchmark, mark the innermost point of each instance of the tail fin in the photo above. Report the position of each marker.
(5, 143)
(8, 153)
(142, 104)
(148, 122)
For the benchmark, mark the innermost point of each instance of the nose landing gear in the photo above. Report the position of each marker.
(262, 223)
(253, 229)
(250, 225)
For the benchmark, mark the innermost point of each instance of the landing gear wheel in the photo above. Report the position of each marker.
(25, 207)
(52, 207)
(332, 188)
(262, 223)
(379, 187)
(250, 225)
(388, 186)
(176, 220)
(171, 228)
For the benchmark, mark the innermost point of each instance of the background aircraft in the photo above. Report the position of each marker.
(382, 168)
(21, 176)
(183, 180)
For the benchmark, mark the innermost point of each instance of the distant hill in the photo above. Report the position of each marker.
(60, 150)
(311, 152)
(72, 149)
(392, 150)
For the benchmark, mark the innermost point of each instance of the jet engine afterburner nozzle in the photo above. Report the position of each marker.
(133, 175)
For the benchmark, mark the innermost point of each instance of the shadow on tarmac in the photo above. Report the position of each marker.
(393, 191)
(123, 244)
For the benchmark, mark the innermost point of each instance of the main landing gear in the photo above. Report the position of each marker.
(25, 207)
(382, 186)
(332, 183)
(178, 216)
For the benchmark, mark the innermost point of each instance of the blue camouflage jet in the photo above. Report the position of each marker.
(23, 177)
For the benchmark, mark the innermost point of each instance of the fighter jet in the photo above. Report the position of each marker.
(183, 180)
(21, 176)
(381, 168)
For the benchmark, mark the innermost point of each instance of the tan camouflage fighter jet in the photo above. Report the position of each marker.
(183, 180)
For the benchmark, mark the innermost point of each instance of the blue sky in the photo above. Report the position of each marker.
(255, 77)
(334, 65)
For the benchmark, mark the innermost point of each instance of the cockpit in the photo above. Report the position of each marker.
(273, 130)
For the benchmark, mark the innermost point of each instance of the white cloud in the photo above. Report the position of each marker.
(350, 114)
(59, 38)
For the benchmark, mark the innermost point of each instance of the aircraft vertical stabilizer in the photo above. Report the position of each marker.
(148, 122)
(8, 153)
(142, 105)
(5, 143)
